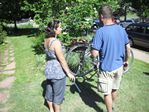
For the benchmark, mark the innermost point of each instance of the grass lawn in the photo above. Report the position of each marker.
(26, 94)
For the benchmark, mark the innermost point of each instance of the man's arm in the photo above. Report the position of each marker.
(127, 54)
(94, 53)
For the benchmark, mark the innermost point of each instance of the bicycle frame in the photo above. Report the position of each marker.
(85, 50)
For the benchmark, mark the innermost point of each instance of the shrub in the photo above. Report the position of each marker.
(65, 38)
(3, 35)
(38, 43)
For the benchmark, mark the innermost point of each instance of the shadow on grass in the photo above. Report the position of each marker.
(21, 31)
(43, 85)
(88, 95)
(141, 48)
(146, 73)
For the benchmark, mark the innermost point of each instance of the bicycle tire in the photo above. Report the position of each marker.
(79, 60)
(130, 62)
(125, 69)
(82, 62)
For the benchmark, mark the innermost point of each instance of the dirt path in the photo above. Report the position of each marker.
(7, 69)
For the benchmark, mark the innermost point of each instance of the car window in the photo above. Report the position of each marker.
(128, 20)
(140, 29)
(131, 28)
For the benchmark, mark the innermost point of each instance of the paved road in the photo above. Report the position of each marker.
(141, 55)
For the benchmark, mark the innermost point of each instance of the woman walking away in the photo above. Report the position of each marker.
(56, 67)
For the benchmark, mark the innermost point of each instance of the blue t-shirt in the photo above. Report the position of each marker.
(110, 41)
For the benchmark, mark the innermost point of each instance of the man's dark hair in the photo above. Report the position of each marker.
(105, 11)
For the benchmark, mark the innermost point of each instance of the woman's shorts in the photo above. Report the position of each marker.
(109, 80)
(55, 89)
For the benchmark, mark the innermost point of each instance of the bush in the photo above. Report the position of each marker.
(38, 43)
(65, 38)
(3, 35)
(39, 39)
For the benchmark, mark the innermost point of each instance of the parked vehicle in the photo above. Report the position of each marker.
(138, 34)
(96, 24)
(126, 22)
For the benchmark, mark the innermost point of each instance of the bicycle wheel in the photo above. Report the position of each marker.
(125, 69)
(79, 61)
(130, 62)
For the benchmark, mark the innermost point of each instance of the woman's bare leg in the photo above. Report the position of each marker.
(50, 104)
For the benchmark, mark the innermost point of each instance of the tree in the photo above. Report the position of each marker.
(45, 10)
(76, 15)
(12, 11)
(9, 10)
(141, 7)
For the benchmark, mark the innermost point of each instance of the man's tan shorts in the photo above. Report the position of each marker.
(109, 80)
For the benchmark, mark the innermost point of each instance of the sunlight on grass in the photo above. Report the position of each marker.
(134, 91)
(27, 91)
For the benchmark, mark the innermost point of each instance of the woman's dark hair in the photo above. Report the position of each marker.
(50, 28)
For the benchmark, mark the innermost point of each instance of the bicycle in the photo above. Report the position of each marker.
(80, 62)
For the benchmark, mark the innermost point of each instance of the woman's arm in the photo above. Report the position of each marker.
(61, 58)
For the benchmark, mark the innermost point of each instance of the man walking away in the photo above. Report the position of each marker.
(111, 44)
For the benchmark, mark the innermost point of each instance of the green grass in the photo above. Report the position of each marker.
(135, 90)
(28, 25)
(26, 92)
(3, 47)
(130, 16)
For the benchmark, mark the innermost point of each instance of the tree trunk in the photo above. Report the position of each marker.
(125, 13)
(15, 24)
